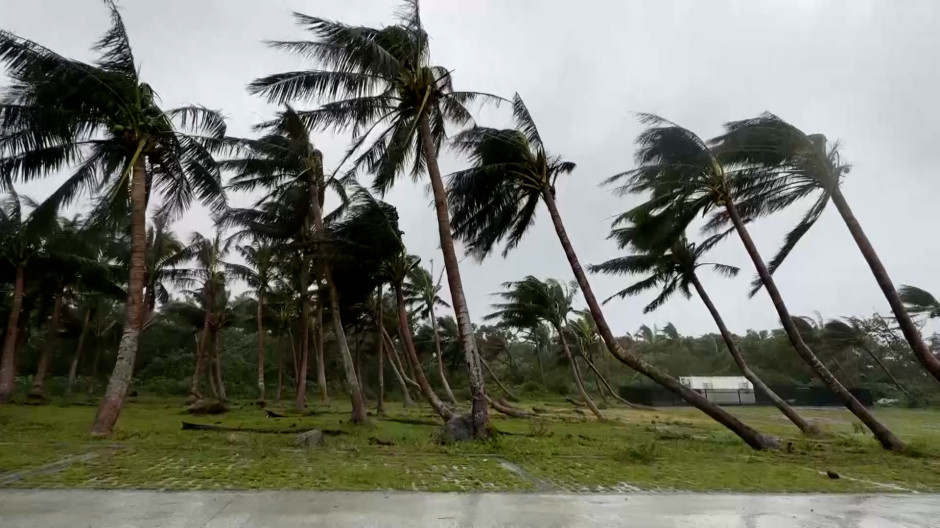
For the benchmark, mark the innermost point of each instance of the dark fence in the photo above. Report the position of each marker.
(793, 394)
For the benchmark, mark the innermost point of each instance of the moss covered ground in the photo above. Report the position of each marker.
(562, 450)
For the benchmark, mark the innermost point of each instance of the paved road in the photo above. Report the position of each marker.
(288, 509)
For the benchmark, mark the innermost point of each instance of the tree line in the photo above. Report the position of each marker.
(315, 271)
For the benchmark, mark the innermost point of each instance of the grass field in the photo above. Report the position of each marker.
(666, 449)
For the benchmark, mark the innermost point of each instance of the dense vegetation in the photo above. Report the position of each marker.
(331, 287)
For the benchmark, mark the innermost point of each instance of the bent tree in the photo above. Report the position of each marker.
(102, 120)
(685, 180)
(495, 201)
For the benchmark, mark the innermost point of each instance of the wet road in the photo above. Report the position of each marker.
(288, 509)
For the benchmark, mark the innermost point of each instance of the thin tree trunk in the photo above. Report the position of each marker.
(195, 392)
(597, 381)
(398, 369)
(610, 389)
(804, 426)
(209, 354)
(893, 379)
(113, 401)
(478, 411)
(321, 359)
(300, 397)
(73, 368)
(380, 351)
(38, 388)
(883, 434)
(538, 356)
(358, 365)
(220, 380)
(295, 361)
(499, 383)
(577, 375)
(358, 415)
(279, 393)
(260, 345)
(908, 328)
(442, 410)
(751, 436)
(440, 359)
(8, 360)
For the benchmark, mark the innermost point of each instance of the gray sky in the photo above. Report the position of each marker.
(867, 73)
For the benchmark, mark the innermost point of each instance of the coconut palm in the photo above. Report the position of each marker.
(547, 301)
(104, 121)
(675, 270)
(397, 269)
(920, 302)
(495, 201)
(380, 83)
(258, 272)
(286, 162)
(422, 290)
(24, 227)
(787, 165)
(685, 179)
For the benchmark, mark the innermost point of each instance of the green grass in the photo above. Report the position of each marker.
(667, 449)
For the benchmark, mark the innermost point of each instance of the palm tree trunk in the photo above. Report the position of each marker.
(380, 351)
(914, 339)
(597, 380)
(195, 393)
(260, 345)
(440, 359)
(751, 436)
(73, 367)
(610, 389)
(8, 360)
(321, 359)
(38, 388)
(442, 410)
(219, 379)
(114, 396)
(295, 361)
(352, 382)
(509, 394)
(577, 375)
(358, 367)
(300, 397)
(806, 427)
(279, 391)
(207, 348)
(478, 410)
(883, 434)
(538, 357)
(397, 369)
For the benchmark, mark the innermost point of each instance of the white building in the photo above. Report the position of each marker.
(727, 390)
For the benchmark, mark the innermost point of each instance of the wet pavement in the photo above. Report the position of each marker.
(288, 509)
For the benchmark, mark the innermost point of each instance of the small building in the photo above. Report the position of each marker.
(723, 390)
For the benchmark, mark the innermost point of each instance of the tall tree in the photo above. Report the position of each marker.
(380, 83)
(104, 120)
(495, 201)
(547, 301)
(258, 273)
(788, 165)
(685, 180)
(422, 290)
(164, 253)
(673, 270)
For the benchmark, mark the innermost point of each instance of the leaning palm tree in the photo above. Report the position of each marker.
(421, 289)
(380, 83)
(685, 180)
(258, 272)
(850, 332)
(920, 302)
(495, 202)
(787, 165)
(286, 163)
(673, 270)
(547, 301)
(104, 121)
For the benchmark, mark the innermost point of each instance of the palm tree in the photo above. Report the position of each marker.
(104, 120)
(496, 200)
(380, 84)
(675, 270)
(397, 270)
(24, 227)
(287, 163)
(850, 332)
(920, 302)
(788, 165)
(258, 272)
(546, 301)
(164, 252)
(421, 289)
(685, 180)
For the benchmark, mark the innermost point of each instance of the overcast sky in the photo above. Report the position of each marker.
(866, 73)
